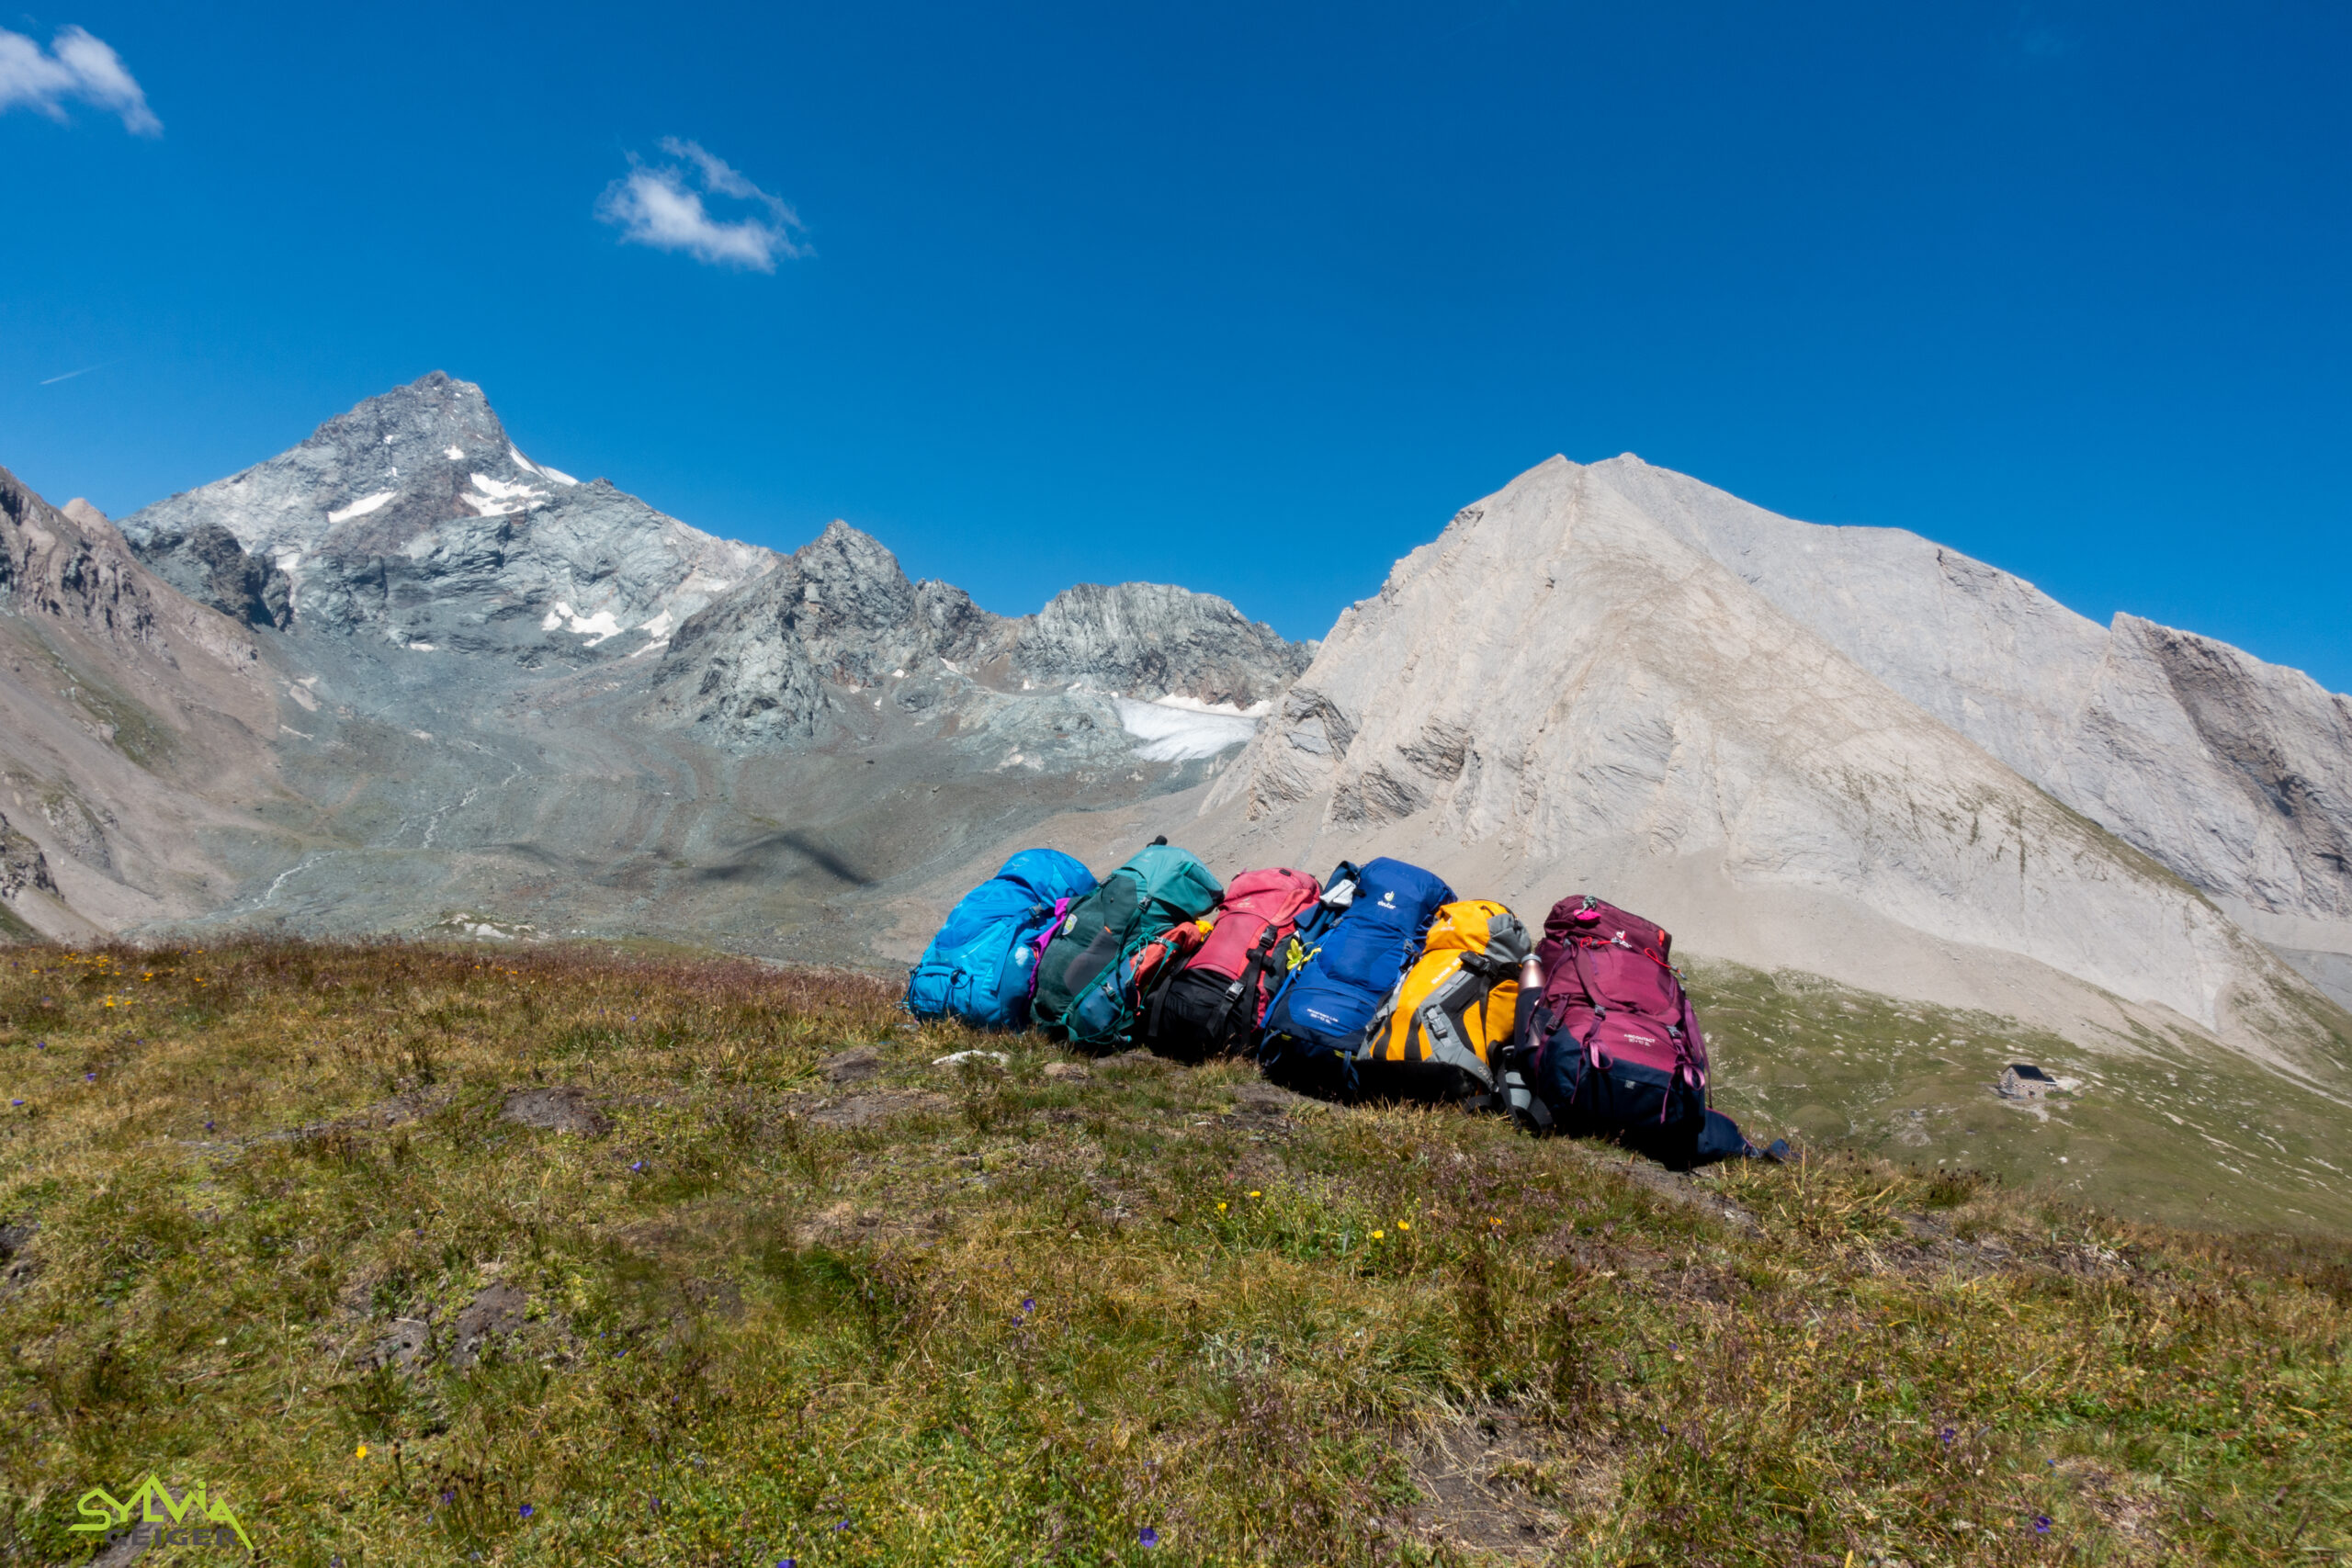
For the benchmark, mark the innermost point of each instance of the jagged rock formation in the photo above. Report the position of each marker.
(839, 617)
(131, 731)
(208, 566)
(22, 864)
(837, 612)
(1154, 641)
(415, 518)
(1561, 682)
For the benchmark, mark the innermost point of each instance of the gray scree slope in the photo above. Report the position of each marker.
(2234, 772)
(506, 699)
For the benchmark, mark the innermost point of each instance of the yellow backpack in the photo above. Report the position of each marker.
(1458, 1003)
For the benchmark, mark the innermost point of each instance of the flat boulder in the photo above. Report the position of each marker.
(561, 1109)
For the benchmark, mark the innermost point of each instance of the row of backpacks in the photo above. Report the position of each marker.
(1373, 982)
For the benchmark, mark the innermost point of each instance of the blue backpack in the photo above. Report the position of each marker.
(983, 963)
(1348, 957)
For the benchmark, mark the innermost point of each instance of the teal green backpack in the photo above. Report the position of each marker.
(1086, 982)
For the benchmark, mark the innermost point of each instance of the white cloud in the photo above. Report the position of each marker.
(75, 65)
(662, 206)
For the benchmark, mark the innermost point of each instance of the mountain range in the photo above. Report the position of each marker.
(405, 679)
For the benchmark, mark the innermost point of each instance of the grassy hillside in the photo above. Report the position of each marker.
(788, 1291)
(2188, 1135)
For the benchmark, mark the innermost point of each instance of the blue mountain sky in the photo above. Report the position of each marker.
(1247, 298)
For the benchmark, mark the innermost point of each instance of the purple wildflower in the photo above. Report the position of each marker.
(840, 1524)
(637, 1165)
(16, 1102)
(2041, 1524)
(1028, 1303)
(1946, 1436)
(527, 1510)
(1149, 1537)
(89, 1078)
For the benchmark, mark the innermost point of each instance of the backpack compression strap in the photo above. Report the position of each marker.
(1243, 992)
(1053, 928)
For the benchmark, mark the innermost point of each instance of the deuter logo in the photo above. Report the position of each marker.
(1388, 899)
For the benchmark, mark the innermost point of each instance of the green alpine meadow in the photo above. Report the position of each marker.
(566, 1255)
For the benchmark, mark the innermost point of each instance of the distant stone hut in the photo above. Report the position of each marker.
(2023, 1080)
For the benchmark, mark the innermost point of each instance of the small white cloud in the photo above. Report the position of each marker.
(662, 206)
(75, 66)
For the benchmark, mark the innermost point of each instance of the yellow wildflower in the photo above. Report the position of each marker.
(359, 1453)
(1379, 1235)
(1404, 1224)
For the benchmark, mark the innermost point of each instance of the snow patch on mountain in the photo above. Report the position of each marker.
(363, 505)
(1176, 730)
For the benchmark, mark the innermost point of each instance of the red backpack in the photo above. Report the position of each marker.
(1617, 1047)
(1213, 1001)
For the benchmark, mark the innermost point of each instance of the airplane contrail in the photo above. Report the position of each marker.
(53, 380)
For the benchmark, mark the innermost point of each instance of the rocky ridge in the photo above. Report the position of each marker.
(415, 519)
(132, 726)
(839, 618)
(2234, 772)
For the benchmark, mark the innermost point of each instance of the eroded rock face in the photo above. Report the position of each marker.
(208, 566)
(2235, 772)
(22, 864)
(1153, 640)
(1563, 680)
(415, 518)
(838, 620)
(51, 565)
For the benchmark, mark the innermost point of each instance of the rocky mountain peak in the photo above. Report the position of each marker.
(1616, 668)
(415, 516)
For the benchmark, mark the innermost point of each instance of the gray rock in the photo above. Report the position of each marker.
(496, 1311)
(207, 565)
(76, 829)
(561, 1109)
(22, 864)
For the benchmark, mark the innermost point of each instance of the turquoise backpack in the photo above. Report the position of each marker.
(1086, 982)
